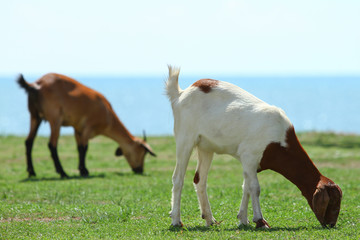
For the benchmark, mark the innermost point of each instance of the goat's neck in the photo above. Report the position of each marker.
(293, 163)
(118, 132)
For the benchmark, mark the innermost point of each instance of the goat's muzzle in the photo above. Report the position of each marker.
(326, 203)
(138, 170)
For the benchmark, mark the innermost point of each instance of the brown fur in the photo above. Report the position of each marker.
(261, 223)
(65, 102)
(206, 85)
(196, 177)
(322, 194)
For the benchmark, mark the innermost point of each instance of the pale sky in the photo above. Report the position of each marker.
(253, 37)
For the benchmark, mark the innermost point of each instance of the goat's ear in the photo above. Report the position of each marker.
(149, 149)
(118, 152)
(320, 203)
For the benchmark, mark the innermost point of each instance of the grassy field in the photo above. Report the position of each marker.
(113, 203)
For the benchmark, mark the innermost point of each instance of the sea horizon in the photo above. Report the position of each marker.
(313, 103)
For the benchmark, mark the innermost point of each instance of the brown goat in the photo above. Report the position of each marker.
(62, 101)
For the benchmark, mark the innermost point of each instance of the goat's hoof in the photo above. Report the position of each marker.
(212, 222)
(261, 223)
(244, 225)
(328, 225)
(84, 172)
(32, 174)
(245, 222)
(179, 224)
(64, 175)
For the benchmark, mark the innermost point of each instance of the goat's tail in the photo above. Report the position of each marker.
(172, 84)
(25, 85)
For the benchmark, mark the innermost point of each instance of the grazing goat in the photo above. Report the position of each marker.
(219, 117)
(65, 102)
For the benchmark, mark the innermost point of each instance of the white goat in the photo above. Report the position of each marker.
(219, 117)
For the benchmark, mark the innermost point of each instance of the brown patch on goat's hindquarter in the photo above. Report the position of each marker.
(206, 85)
(196, 177)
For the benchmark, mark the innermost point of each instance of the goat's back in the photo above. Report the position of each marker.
(77, 105)
(227, 118)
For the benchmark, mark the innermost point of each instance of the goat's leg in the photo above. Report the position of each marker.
(55, 132)
(183, 152)
(82, 154)
(34, 126)
(253, 186)
(200, 180)
(82, 146)
(242, 215)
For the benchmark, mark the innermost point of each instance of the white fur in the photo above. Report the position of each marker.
(227, 120)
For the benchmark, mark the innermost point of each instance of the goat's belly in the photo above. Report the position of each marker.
(219, 147)
(67, 121)
(77, 123)
(66, 124)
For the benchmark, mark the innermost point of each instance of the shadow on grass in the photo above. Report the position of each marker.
(92, 176)
(192, 229)
(35, 179)
(131, 174)
(216, 228)
(123, 174)
(127, 174)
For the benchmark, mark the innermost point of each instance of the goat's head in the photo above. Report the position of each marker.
(326, 202)
(135, 155)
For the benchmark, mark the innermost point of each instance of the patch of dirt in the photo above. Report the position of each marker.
(40, 219)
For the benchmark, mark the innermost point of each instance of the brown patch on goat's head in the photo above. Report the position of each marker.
(196, 177)
(206, 85)
(326, 202)
(291, 161)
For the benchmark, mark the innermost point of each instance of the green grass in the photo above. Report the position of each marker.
(114, 203)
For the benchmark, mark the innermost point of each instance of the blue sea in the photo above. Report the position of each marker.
(311, 103)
